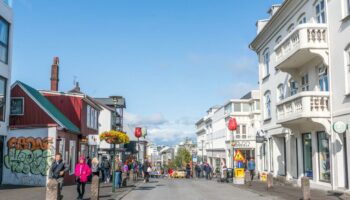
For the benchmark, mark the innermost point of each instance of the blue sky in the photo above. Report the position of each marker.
(171, 60)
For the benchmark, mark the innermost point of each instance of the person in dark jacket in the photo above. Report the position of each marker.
(58, 169)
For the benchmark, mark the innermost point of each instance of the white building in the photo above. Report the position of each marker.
(6, 32)
(303, 52)
(166, 155)
(220, 144)
(153, 154)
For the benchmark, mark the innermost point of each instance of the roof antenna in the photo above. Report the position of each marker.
(75, 80)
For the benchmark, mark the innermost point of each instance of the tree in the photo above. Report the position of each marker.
(182, 158)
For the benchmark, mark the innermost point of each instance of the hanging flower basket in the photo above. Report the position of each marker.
(114, 137)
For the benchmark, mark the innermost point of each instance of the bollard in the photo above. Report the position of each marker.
(53, 190)
(269, 181)
(305, 188)
(95, 188)
(247, 178)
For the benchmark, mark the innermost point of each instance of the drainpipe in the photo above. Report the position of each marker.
(330, 85)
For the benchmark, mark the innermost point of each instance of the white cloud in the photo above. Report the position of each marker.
(161, 130)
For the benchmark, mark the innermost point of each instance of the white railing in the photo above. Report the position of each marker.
(304, 104)
(303, 36)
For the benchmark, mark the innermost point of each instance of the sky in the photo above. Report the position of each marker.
(172, 60)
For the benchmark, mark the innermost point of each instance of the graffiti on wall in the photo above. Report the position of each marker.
(29, 155)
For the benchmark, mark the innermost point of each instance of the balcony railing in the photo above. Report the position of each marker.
(311, 104)
(305, 36)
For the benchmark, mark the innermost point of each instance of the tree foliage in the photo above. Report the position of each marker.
(182, 158)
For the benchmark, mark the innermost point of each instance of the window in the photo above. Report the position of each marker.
(290, 28)
(305, 82)
(17, 106)
(72, 156)
(3, 87)
(91, 117)
(323, 156)
(321, 12)
(293, 87)
(323, 78)
(241, 132)
(302, 19)
(62, 148)
(280, 92)
(257, 105)
(4, 35)
(307, 155)
(246, 107)
(266, 62)
(237, 107)
(347, 69)
(228, 108)
(267, 102)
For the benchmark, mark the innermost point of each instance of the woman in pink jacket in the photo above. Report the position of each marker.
(82, 172)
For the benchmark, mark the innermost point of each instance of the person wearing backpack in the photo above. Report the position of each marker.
(58, 169)
(105, 167)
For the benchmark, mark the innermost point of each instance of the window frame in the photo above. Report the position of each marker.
(5, 99)
(267, 105)
(347, 69)
(18, 98)
(319, 156)
(290, 28)
(303, 137)
(91, 117)
(6, 46)
(305, 82)
(323, 78)
(294, 87)
(266, 63)
(280, 92)
(320, 12)
(302, 19)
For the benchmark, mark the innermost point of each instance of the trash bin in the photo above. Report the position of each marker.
(229, 174)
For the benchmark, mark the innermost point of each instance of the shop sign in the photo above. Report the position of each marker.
(194, 158)
(244, 144)
(340, 127)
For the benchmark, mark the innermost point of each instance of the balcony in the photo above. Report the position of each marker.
(304, 105)
(303, 44)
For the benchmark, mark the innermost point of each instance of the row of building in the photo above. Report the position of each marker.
(303, 51)
(37, 124)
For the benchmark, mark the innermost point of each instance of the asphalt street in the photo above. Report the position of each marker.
(184, 189)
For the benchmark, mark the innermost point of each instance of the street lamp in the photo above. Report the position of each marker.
(119, 103)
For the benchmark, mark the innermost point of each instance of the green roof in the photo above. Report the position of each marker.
(50, 108)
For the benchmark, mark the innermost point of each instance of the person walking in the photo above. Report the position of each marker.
(82, 172)
(251, 168)
(57, 170)
(95, 167)
(105, 168)
(188, 170)
(146, 171)
(118, 172)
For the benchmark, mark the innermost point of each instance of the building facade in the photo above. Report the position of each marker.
(220, 144)
(6, 32)
(303, 75)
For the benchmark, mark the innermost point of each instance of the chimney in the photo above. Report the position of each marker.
(54, 74)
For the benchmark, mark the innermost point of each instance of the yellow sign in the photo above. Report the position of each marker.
(263, 177)
(239, 172)
(238, 156)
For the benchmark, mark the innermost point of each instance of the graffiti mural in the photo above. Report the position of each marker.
(29, 155)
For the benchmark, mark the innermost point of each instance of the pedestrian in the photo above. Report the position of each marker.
(82, 172)
(58, 169)
(145, 169)
(134, 169)
(95, 167)
(105, 167)
(206, 170)
(251, 168)
(188, 170)
(118, 172)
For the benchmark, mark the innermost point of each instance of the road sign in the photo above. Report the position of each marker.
(238, 156)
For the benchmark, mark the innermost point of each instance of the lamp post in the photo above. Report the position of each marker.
(119, 103)
(232, 126)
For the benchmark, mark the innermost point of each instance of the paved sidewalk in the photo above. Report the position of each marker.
(292, 193)
(11, 192)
